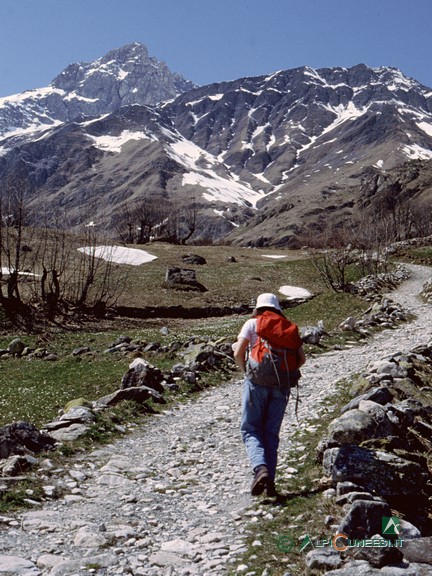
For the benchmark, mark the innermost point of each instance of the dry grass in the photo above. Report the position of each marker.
(228, 283)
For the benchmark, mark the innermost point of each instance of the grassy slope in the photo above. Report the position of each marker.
(34, 390)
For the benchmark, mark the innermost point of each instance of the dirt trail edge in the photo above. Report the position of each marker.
(173, 497)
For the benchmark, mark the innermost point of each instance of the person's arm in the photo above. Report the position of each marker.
(301, 357)
(240, 353)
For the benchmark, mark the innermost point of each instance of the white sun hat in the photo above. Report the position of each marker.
(268, 300)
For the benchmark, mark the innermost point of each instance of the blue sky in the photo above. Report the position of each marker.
(212, 40)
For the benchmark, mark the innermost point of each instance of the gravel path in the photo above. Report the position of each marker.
(173, 497)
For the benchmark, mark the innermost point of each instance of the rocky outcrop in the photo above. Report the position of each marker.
(370, 287)
(21, 438)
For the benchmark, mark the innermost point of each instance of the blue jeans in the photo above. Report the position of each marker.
(263, 410)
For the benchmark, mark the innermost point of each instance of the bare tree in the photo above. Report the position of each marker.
(180, 223)
(141, 221)
(13, 224)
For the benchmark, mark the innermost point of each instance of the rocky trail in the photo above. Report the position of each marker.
(172, 498)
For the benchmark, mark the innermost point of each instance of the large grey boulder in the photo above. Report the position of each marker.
(380, 395)
(352, 427)
(323, 558)
(418, 550)
(363, 519)
(382, 473)
(69, 433)
(23, 438)
(183, 278)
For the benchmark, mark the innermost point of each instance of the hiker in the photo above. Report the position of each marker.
(264, 403)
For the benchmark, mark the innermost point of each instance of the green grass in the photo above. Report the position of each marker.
(34, 390)
(421, 255)
(228, 283)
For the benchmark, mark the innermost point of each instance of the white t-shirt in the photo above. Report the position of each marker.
(248, 331)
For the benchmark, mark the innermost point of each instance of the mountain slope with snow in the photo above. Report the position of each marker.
(122, 77)
(264, 159)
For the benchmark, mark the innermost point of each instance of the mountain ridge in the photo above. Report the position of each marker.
(263, 158)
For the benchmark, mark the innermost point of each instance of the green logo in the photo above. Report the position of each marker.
(305, 543)
(390, 525)
(284, 543)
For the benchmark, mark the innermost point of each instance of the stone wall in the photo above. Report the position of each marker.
(377, 456)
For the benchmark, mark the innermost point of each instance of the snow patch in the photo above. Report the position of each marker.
(416, 152)
(217, 188)
(293, 292)
(115, 143)
(7, 271)
(119, 254)
(425, 127)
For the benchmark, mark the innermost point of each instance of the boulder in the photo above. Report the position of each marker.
(363, 519)
(75, 422)
(16, 347)
(82, 414)
(16, 465)
(77, 403)
(142, 373)
(194, 259)
(72, 431)
(21, 438)
(184, 279)
(382, 473)
(353, 426)
(323, 558)
(348, 325)
(376, 556)
(380, 395)
(313, 334)
(139, 394)
(418, 550)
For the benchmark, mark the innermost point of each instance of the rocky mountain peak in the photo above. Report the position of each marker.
(124, 76)
(134, 51)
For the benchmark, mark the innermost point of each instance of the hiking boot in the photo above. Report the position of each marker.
(271, 489)
(260, 481)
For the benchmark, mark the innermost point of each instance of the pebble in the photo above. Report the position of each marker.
(172, 498)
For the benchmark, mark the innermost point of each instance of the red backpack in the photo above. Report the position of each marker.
(274, 355)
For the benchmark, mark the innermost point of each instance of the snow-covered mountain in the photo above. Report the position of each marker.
(122, 77)
(263, 158)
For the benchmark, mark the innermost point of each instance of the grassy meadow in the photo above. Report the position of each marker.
(34, 390)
